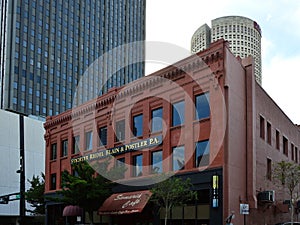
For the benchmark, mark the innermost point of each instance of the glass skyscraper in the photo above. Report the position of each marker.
(48, 46)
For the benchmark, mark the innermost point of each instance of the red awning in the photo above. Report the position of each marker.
(72, 210)
(125, 203)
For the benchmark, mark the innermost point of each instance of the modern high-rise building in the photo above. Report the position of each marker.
(48, 46)
(243, 34)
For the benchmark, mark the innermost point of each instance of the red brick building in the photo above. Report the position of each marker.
(204, 117)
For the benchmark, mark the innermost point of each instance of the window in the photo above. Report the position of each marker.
(64, 148)
(269, 169)
(53, 151)
(137, 125)
(262, 127)
(277, 140)
(89, 140)
(296, 154)
(202, 106)
(178, 113)
(120, 162)
(178, 158)
(156, 120)
(76, 144)
(53, 181)
(293, 151)
(156, 162)
(120, 130)
(102, 136)
(137, 165)
(202, 153)
(285, 146)
(269, 133)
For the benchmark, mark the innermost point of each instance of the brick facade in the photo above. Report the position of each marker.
(235, 152)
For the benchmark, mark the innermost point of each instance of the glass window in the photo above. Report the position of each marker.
(178, 158)
(53, 181)
(269, 133)
(137, 165)
(89, 140)
(178, 113)
(277, 139)
(120, 162)
(285, 146)
(156, 162)
(156, 119)
(202, 153)
(53, 154)
(120, 130)
(269, 169)
(202, 106)
(64, 148)
(76, 144)
(102, 136)
(137, 125)
(262, 127)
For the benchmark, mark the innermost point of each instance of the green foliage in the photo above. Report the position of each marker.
(287, 174)
(87, 188)
(172, 192)
(35, 195)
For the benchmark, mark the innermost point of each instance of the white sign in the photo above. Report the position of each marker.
(244, 209)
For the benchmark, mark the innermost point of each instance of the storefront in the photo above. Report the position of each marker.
(137, 207)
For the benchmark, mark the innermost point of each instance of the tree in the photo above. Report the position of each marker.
(287, 174)
(172, 192)
(86, 188)
(35, 195)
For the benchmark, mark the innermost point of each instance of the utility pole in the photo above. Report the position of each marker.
(22, 170)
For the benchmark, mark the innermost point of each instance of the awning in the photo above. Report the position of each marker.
(125, 203)
(72, 210)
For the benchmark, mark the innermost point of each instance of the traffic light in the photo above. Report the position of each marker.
(4, 199)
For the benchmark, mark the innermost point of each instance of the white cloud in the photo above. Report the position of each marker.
(281, 81)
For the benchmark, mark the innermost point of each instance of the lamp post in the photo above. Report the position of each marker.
(22, 171)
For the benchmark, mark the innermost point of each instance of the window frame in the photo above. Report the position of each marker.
(120, 124)
(76, 144)
(64, 147)
(178, 114)
(135, 172)
(88, 144)
(53, 181)
(179, 148)
(137, 125)
(53, 153)
(159, 163)
(205, 153)
(199, 107)
(154, 120)
(100, 130)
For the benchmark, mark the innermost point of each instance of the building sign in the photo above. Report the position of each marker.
(134, 146)
(125, 203)
(215, 191)
(244, 209)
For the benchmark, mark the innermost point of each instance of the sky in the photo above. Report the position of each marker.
(175, 21)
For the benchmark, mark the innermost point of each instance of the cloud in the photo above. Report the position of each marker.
(281, 81)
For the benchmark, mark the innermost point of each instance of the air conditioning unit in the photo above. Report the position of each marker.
(266, 196)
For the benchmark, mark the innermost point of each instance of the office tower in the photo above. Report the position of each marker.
(47, 46)
(243, 34)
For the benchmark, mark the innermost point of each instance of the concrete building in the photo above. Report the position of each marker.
(203, 118)
(50, 51)
(243, 34)
(34, 149)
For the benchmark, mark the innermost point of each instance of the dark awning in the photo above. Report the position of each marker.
(125, 203)
(72, 210)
